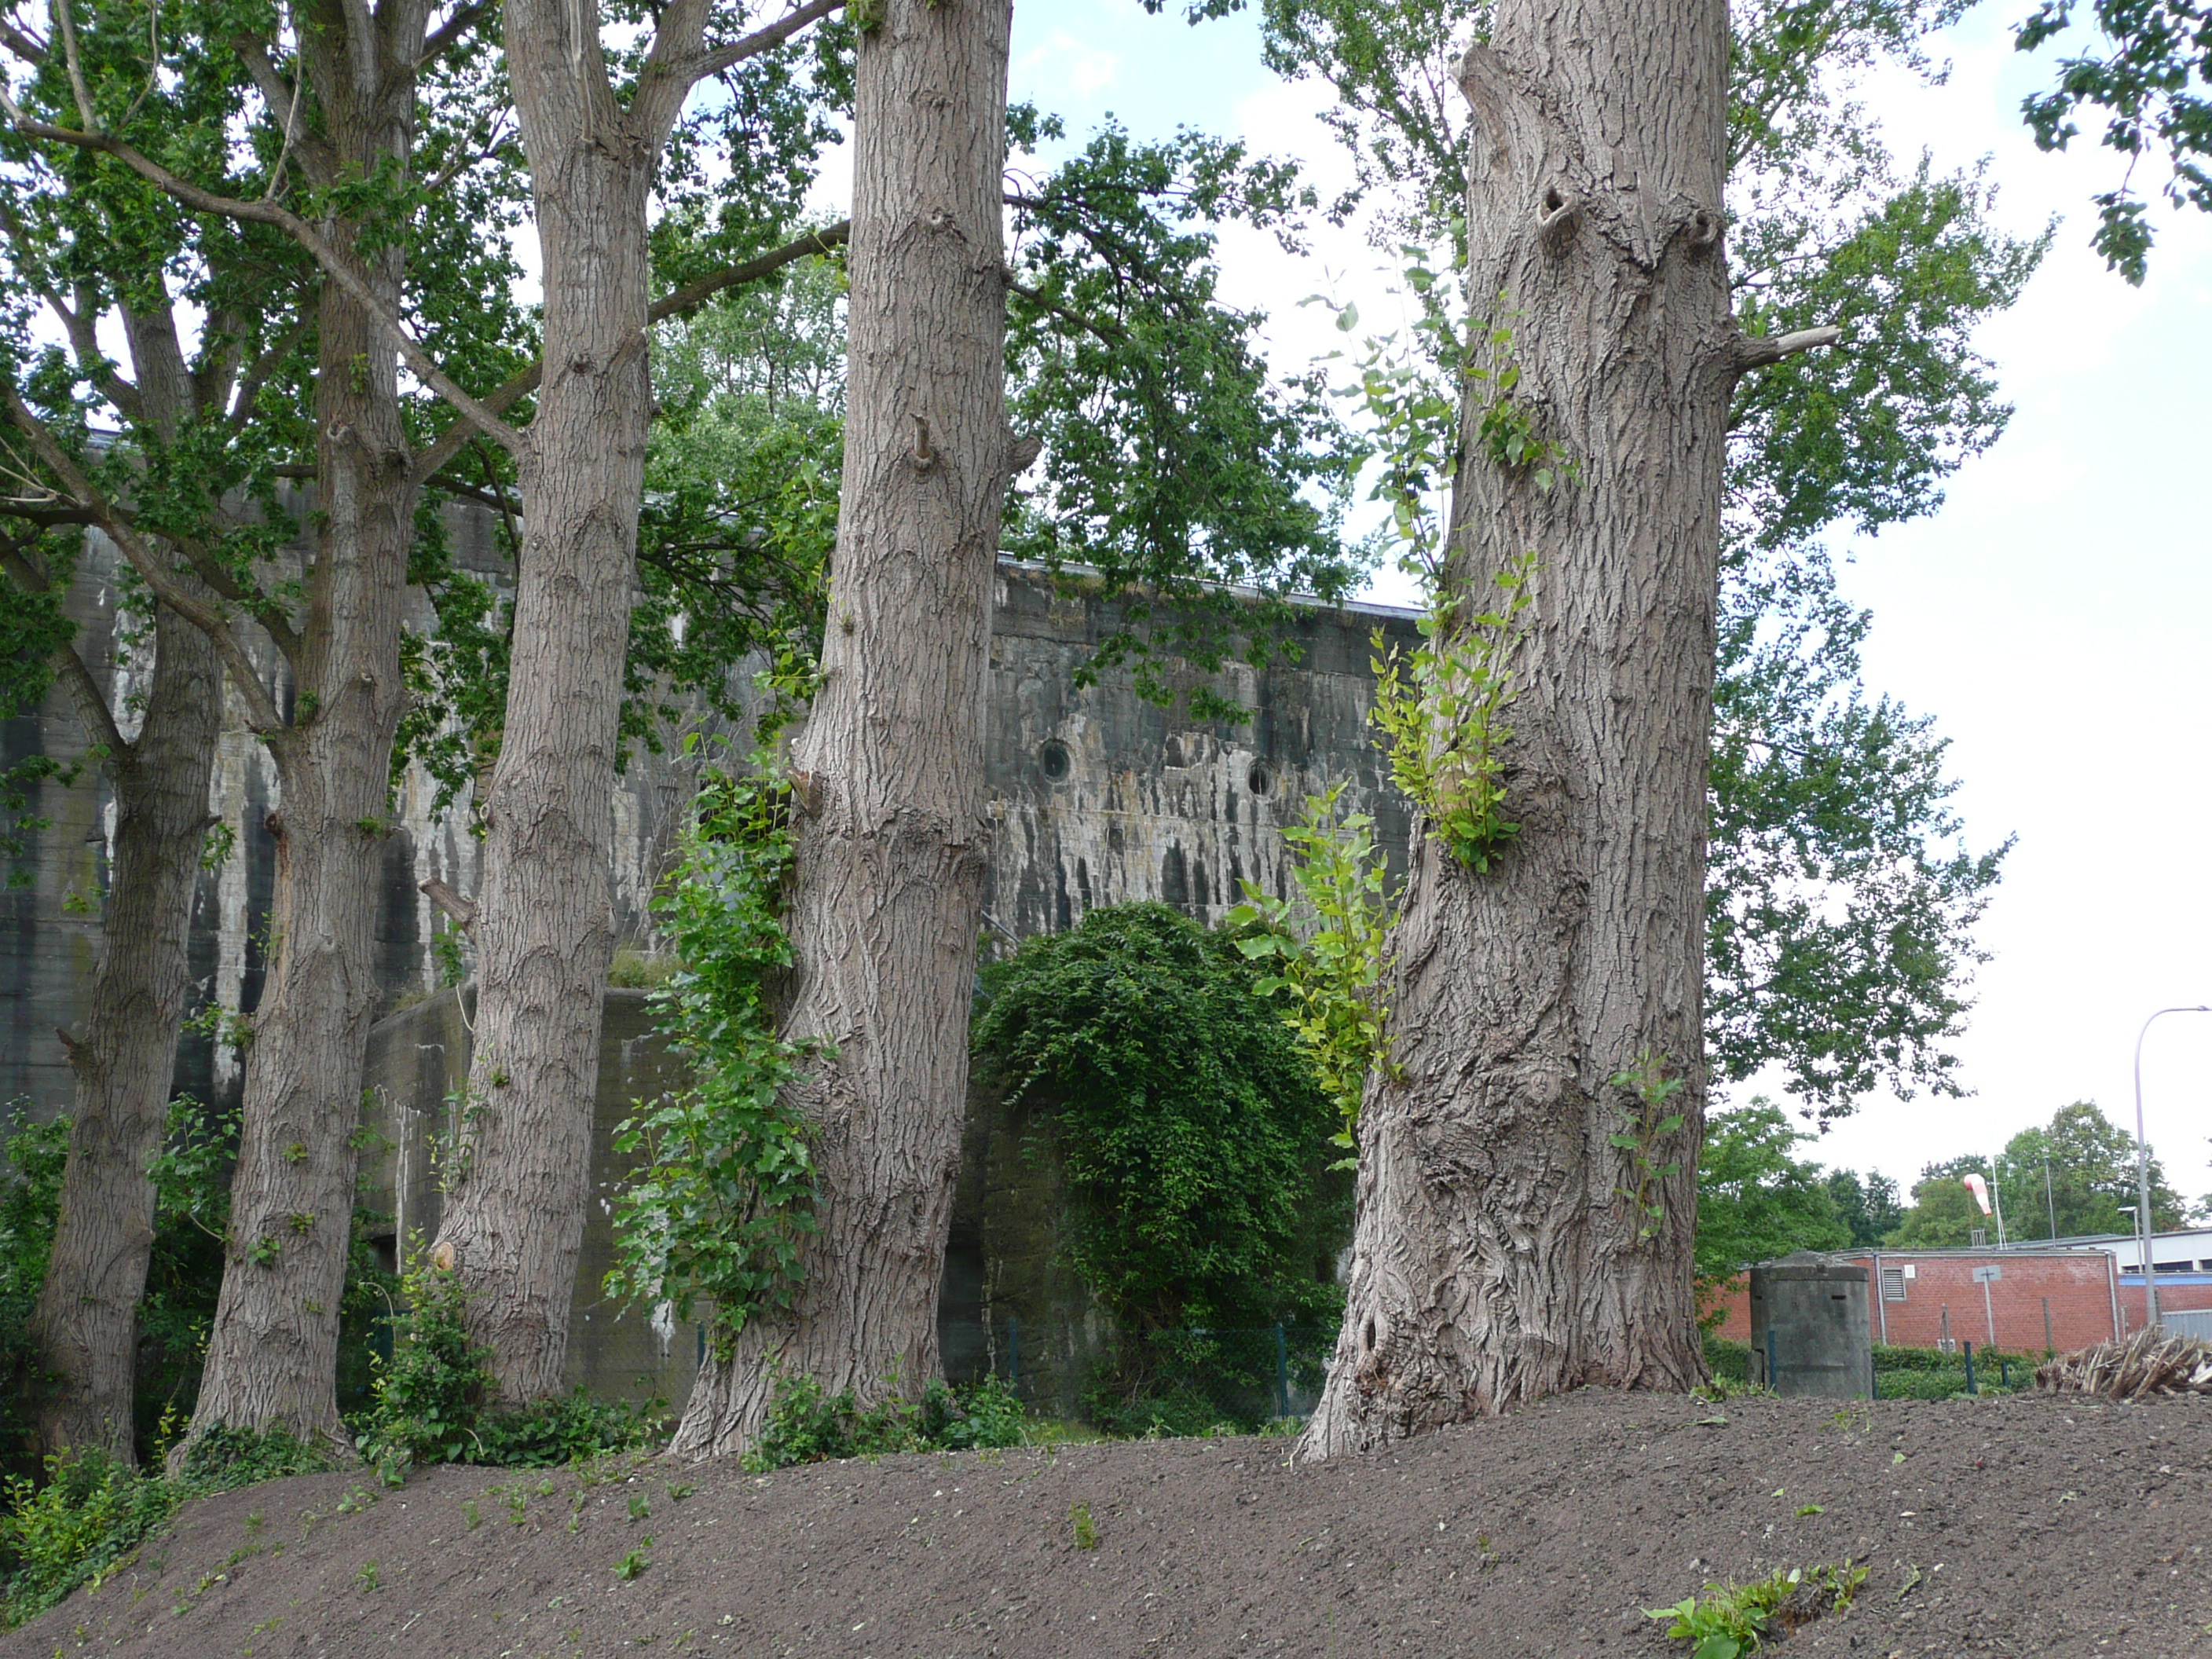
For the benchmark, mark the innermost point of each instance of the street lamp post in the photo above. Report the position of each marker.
(2143, 1168)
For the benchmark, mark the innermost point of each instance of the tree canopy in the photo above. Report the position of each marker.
(1756, 1199)
(2091, 1163)
(2148, 74)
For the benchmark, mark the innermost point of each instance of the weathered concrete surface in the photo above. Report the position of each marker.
(418, 1064)
(1096, 795)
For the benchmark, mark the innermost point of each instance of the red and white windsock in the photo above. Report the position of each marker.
(1980, 1189)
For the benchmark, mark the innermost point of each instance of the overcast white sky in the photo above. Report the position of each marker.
(2050, 615)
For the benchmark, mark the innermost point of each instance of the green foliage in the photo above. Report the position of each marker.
(1323, 953)
(1756, 1200)
(1188, 1128)
(435, 1402)
(91, 1512)
(805, 1425)
(30, 1199)
(726, 1189)
(1082, 1527)
(1643, 1126)
(1175, 466)
(2149, 71)
(1731, 1620)
(432, 1390)
(1445, 719)
(1867, 1205)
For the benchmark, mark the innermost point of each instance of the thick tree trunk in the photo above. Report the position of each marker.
(86, 1324)
(1500, 1254)
(543, 925)
(272, 1355)
(888, 900)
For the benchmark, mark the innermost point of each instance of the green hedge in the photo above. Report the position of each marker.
(1902, 1373)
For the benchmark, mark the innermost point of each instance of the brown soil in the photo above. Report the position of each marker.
(2021, 1526)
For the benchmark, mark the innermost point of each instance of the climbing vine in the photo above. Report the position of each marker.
(1443, 710)
(1325, 948)
(1642, 1129)
(726, 1193)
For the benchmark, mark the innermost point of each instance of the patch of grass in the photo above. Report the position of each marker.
(633, 969)
(636, 1561)
(1086, 1529)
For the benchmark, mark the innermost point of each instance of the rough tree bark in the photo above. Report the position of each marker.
(1498, 1254)
(542, 920)
(85, 1326)
(272, 1354)
(888, 892)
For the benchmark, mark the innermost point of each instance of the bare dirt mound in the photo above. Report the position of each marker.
(2023, 1526)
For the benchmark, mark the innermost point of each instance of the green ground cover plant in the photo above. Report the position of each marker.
(806, 1425)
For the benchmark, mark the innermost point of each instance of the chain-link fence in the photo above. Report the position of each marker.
(1166, 1381)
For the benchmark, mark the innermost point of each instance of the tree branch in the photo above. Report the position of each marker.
(682, 302)
(692, 295)
(261, 714)
(667, 81)
(282, 99)
(451, 32)
(463, 911)
(339, 269)
(91, 705)
(1758, 350)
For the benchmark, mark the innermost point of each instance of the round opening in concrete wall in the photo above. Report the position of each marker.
(1260, 780)
(1055, 762)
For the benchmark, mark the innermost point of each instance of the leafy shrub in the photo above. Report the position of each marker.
(92, 1511)
(435, 1401)
(574, 1427)
(1194, 1140)
(30, 1199)
(1325, 952)
(222, 1458)
(1731, 1620)
(430, 1393)
(806, 1426)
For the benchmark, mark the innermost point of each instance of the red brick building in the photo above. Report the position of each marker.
(2021, 1299)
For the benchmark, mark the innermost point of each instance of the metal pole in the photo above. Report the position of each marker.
(1969, 1347)
(2143, 1166)
(1990, 1313)
(1997, 1197)
(2050, 1202)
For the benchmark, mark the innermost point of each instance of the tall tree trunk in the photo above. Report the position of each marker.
(272, 1355)
(888, 899)
(543, 923)
(1501, 1252)
(85, 1326)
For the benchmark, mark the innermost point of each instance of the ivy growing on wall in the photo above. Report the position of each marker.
(1189, 1130)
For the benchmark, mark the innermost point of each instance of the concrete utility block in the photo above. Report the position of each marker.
(1810, 1321)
